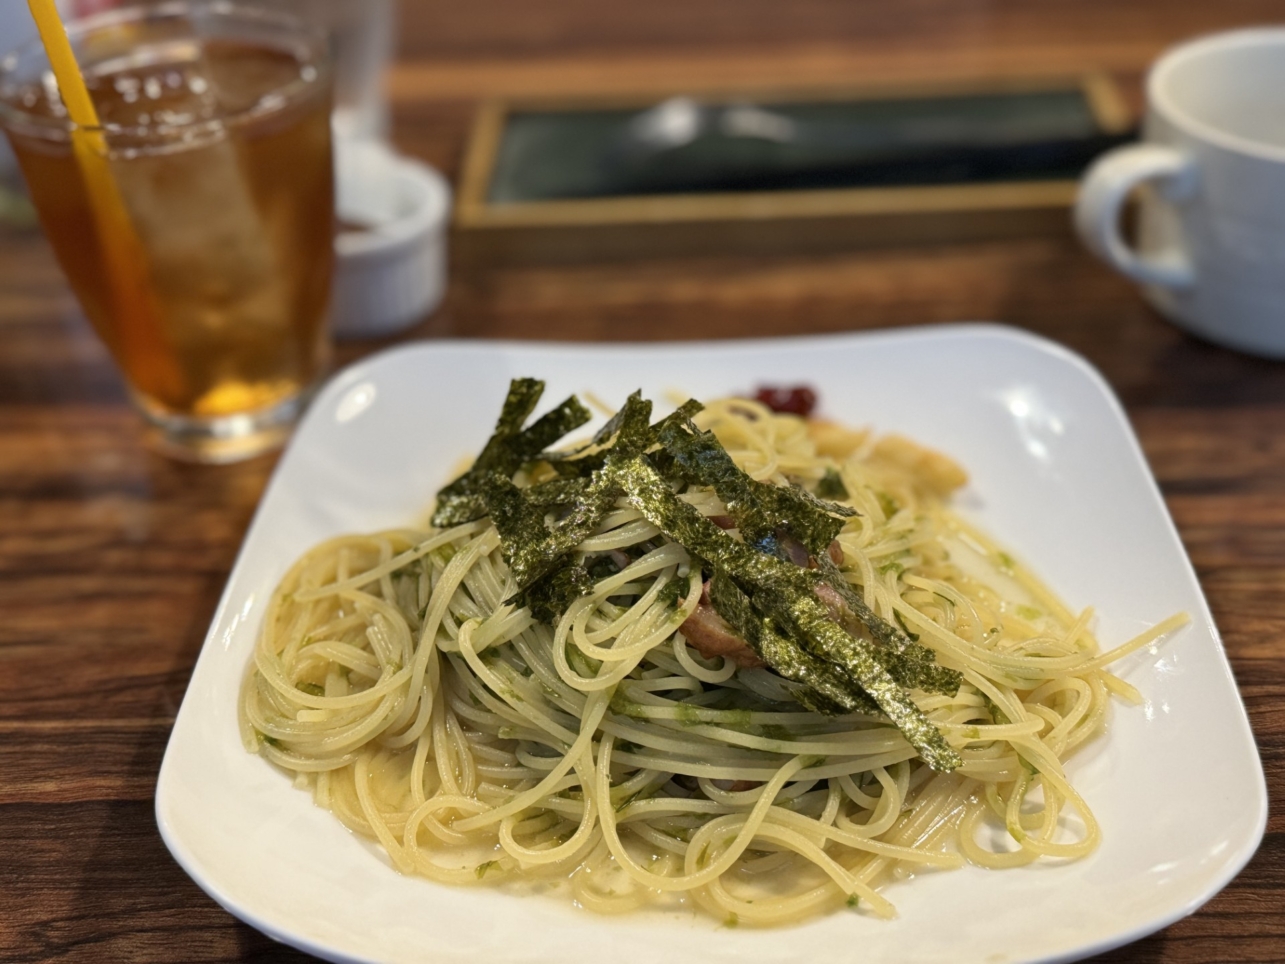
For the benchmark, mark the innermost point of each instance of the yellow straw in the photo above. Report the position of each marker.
(137, 329)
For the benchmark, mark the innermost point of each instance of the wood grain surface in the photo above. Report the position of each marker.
(112, 558)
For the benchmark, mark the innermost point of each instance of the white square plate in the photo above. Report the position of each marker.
(1057, 476)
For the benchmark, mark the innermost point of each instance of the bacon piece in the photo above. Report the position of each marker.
(834, 602)
(794, 400)
(710, 634)
(706, 630)
(800, 556)
(835, 553)
(797, 552)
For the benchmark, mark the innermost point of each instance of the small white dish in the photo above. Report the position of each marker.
(1057, 476)
(390, 269)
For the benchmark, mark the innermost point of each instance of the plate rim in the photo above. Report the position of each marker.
(343, 378)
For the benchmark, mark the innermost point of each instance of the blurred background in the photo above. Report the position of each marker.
(451, 57)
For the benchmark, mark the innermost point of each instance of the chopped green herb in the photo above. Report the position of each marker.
(998, 715)
(1001, 718)
(481, 869)
(853, 900)
(913, 637)
(1029, 613)
(1005, 560)
(671, 594)
(312, 689)
(732, 920)
(888, 504)
(831, 485)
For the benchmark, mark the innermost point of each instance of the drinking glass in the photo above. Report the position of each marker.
(215, 124)
(362, 34)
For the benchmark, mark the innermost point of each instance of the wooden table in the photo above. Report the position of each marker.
(113, 558)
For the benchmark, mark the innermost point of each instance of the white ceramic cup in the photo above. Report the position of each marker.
(1210, 252)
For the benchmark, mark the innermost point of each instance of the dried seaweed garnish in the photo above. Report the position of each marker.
(634, 436)
(601, 567)
(835, 668)
(625, 427)
(530, 547)
(823, 689)
(550, 595)
(681, 415)
(910, 664)
(759, 508)
(507, 449)
(828, 641)
(557, 492)
(788, 591)
(549, 427)
(831, 486)
(570, 462)
(901, 648)
(921, 674)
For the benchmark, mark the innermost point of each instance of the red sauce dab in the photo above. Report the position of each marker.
(793, 400)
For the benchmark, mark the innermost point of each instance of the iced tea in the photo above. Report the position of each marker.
(218, 129)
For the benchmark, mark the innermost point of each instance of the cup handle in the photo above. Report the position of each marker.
(1104, 190)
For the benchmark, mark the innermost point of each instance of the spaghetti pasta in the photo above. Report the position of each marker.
(570, 730)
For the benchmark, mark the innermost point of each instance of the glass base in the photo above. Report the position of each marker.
(223, 439)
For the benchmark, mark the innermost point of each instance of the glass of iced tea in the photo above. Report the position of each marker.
(215, 123)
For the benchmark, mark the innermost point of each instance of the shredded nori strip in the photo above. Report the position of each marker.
(507, 449)
(557, 492)
(910, 664)
(768, 600)
(634, 437)
(788, 590)
(759, 508)
(550, 596)
(823, 688)
(828, 641)
(529, 546)
(625, 427)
